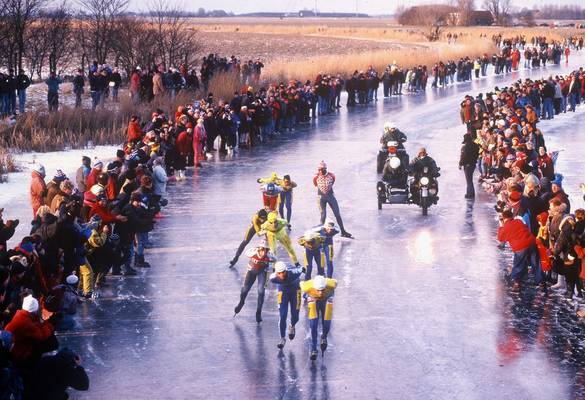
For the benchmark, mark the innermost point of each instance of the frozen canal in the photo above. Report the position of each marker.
(421, 310)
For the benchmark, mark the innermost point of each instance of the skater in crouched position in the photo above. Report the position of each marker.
(287, 280)
(260, 259)
(275, 230)
(320, 291)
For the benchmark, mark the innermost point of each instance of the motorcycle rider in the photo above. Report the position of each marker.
(287, 280)
(417, 169)
(257, 220)
(324, 181)
(391, 134)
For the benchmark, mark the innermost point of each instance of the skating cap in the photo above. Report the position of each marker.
(329, 223)
(319, 282)
(322, 165)
(271, 217)
(310, 235)
(270, 187)
(279, 267)
(98, 165)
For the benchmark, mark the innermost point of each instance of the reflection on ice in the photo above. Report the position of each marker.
(423, 248)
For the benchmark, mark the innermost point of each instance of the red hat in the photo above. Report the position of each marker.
(515, 196)
(542, 217)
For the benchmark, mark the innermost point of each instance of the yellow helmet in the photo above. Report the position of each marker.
(272, 217)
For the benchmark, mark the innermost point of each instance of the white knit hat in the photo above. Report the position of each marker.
(279, 266)
(30, 304)
(319, 282)
(72, 280)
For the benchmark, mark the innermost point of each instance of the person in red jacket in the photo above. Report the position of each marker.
(523, 244)
(92, 177)
(31, 336)
(135, 132)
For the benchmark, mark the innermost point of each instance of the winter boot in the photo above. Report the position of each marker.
(291, 332)
(140, 263)
(232, 263)
(346, 234)
(560, 285)
(280, 344)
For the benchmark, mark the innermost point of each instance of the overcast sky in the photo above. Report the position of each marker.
(364, 6)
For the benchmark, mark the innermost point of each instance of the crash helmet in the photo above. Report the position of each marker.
(389, 125)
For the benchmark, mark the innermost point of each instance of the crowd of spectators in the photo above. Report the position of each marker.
(504, 142)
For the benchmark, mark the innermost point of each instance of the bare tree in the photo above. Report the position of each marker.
(18, 17)
(36, 51)
(100, 17)
(500, 10)
(58, 27)
(176, 44)
(465, 9)
(134, 44)
(431, 17)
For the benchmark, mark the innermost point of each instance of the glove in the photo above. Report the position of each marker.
(259, 180)
(55, 318)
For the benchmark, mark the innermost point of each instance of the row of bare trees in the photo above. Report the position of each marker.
(41, 36)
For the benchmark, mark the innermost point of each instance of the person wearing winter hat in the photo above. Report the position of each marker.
(287, 281)
(559, 193)
(31, 336)
(328, 230)
(38, 188)
(260, 260)
(53, 187)
(96, 171)
(522, 243)
(255, 227)
(324, 181)
(320, 292)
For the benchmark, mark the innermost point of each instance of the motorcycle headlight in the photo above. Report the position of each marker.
(394, 162)
(424, 180)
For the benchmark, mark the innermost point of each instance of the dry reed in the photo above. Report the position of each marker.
(309, 68)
